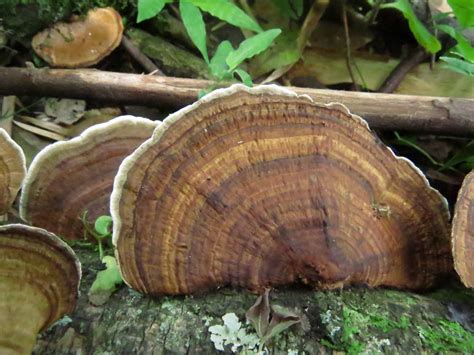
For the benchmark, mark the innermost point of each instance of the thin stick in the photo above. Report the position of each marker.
(348, 46)
(401, 70)
(141, 58)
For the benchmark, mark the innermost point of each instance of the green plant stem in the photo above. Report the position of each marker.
(418, 149)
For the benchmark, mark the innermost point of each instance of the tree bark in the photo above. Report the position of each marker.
(130, 323)
(383, 111)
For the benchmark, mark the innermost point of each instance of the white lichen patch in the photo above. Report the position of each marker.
(232, 333)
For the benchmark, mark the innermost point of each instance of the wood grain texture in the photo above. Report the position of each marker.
(68, 178)
(258, 187)
(39, 280)
(463, 232)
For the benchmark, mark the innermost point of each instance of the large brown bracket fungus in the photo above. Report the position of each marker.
(69, 178)
(39, 279)
(82, 42)
(463, 232)
(260, 187)
(12, 171)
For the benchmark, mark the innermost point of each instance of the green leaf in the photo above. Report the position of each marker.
(464, 46)
(106, 282)
(228, 12)
(244, 77)
(195, 27)
(150, 8)
(421, 33)
(466, 154)
(218, 66)
(251, 47)
(259, 314)
(103, 225)
(298, 6)
(464, 11)
(458, 65)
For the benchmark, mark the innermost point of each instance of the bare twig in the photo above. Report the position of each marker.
(398, 74)
(141, 58)
(454, 116)
(348, 47)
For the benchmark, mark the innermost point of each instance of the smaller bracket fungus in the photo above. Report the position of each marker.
(12, 171)
(82, 42)
(261, 187)
(69, 178)
(39, 280)
(463, 232)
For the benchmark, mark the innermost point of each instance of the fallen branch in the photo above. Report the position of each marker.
(384, 111)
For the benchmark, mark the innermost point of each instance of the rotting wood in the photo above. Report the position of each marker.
(383, 111)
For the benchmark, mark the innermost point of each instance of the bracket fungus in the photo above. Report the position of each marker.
(12, 171)
(39, 280)
(463, 232)
(69, 178)
(82, 42)
(260, 187)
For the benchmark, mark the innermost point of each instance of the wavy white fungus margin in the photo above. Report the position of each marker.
(89, 135)
(19, 155)
(128, 163)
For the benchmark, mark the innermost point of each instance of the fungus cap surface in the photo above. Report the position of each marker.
(463, 232)
(82, 42)
(68, 178)
(39, 280)
(12, 170)
(260, 187)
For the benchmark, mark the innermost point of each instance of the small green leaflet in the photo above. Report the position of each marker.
(251, 47)
(103, 225)
(463, 47)
(218, 66)
(422, 35)
(195, 27)
(244, 77)
(150, 8)
(228, 12)
(106, 281)
(464, 11)
(459, 65)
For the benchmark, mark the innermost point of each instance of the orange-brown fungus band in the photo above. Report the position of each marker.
(12, 171)
(463, 232)
(68, 179)
(39, 280)
(259, 187)
(82, 42)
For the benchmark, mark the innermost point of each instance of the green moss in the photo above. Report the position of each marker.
(447, 337)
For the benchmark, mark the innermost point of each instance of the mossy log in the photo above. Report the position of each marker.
(355, 320)
(170, 59)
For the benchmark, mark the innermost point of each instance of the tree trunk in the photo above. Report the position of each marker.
(350, 320)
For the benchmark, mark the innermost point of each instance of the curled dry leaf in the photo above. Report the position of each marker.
(260, 187)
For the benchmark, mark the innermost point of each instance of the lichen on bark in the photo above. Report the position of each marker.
(353, 320)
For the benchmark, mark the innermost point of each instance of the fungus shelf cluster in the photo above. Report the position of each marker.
(256, 188)
(249, 188)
